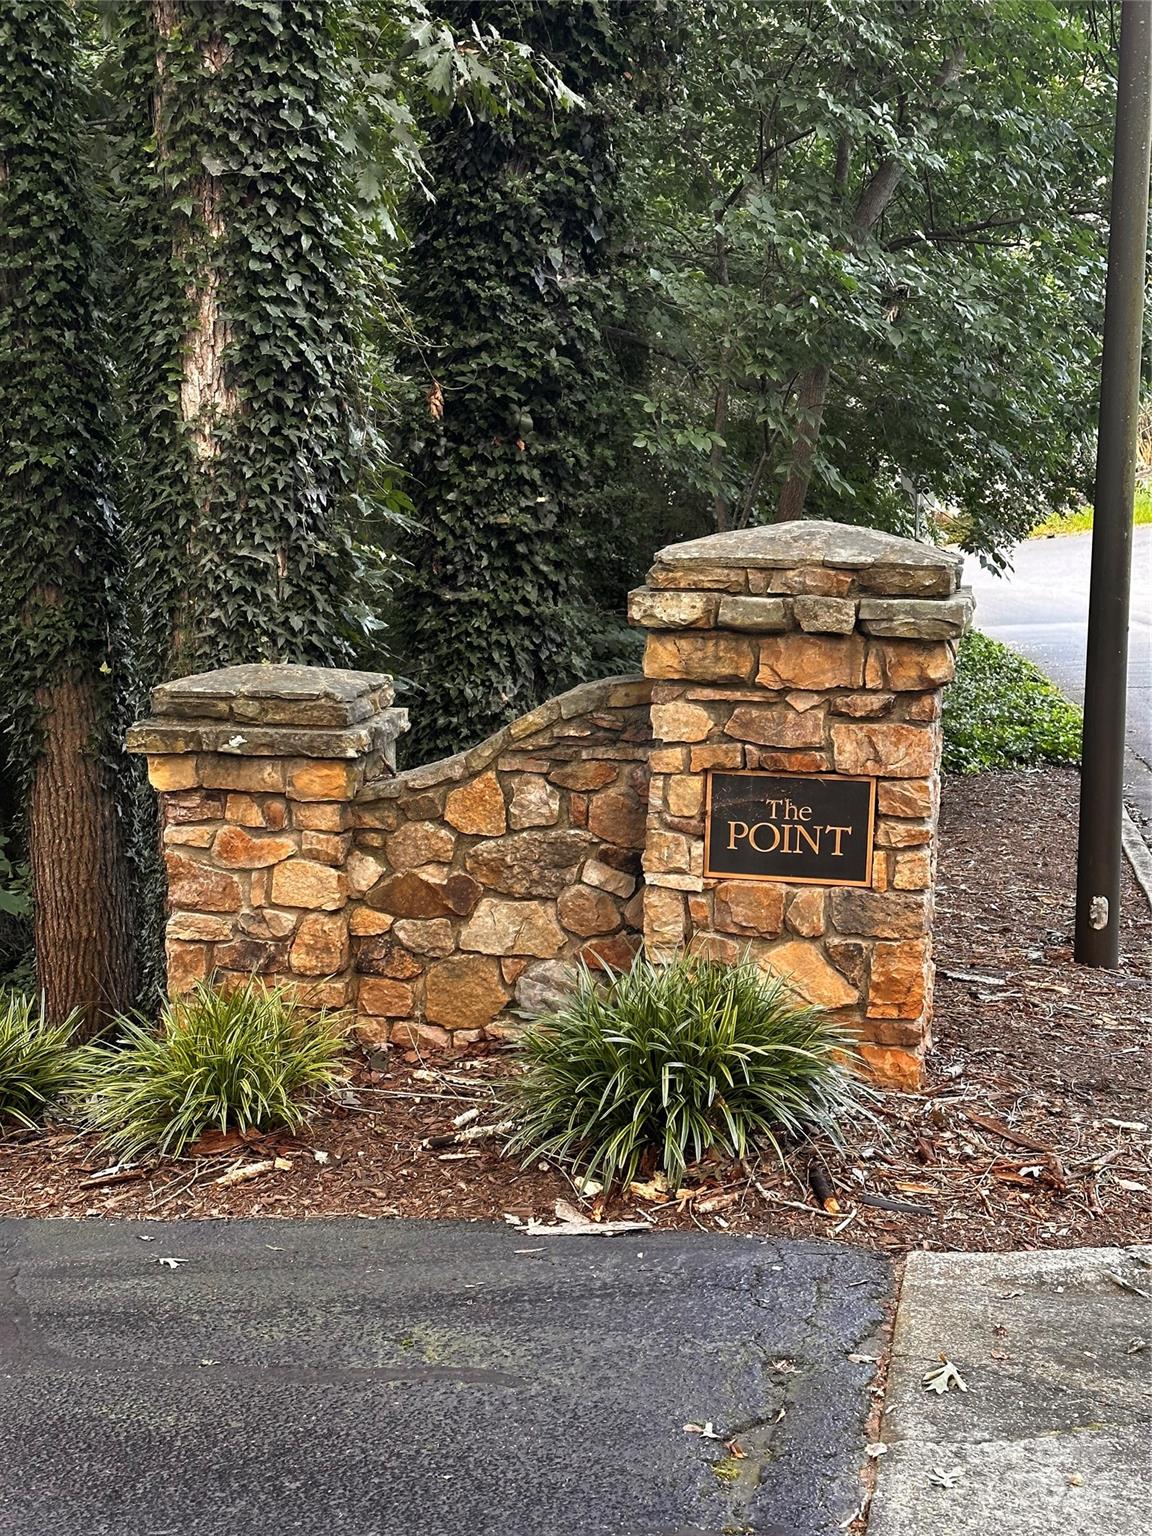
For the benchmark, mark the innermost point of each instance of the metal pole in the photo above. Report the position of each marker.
(1106, 674)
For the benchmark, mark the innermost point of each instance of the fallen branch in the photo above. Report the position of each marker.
(469, 1133)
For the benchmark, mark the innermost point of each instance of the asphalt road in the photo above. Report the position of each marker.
(1041, 610)
(343, 1378)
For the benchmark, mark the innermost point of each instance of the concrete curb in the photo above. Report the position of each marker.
(1138, 855)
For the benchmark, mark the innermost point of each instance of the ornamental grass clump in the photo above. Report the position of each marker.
(37, 1060)
(247, 1060)
(680, 1059)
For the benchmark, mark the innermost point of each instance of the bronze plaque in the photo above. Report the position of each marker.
(808, 829)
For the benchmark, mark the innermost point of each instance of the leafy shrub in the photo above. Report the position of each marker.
(679, 1058)
(247, 1060)
(37, 1060)
(1003, 713)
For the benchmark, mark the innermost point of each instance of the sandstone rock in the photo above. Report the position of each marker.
(319, 778)
(664, 926)
(777, 725)
(902, 834)
(754, 615)
(409, 895)
(428, 936)
(618, 815)
(668, 759)
(815, 579)
(748, 906)
(385, 998)
(708, 656)
(203, 927)
(908, 665)
(362, 920)
(715, 946)
(825, 615)
(422, 1039)
(544, 988)
(795, 661)
(267, 923)
(879, 870)
(236, 848)
(912, 871)
(586, 911)
(477, 808)
(680, 721)
(269, 812)
(534, 803)
(906, 797)
(883, 750)
(254, 775)
(320, 816)
(615, 953)
(916, 619)
(922, 706)
(585, 775)
(539, 863)
(320, 947)
(607, 878)
(807, 972)
(362, 871)
(861, 706)
(805, 914)
(251, 957)
(326, 847)
(655, 609)
(881, 915)
(667, 853)
(466, 992)
(171, 772)
(301, 883)
(383, 957)
(718, 754)
(420, 842)
(684, 794)
(849, 956)
(191, 806)
(190, 836)
(513, 928)
(897, 1068)
(187, 965)
(699, 578)
(199, 887)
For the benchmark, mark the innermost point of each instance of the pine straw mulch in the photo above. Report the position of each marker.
(1032, 1131)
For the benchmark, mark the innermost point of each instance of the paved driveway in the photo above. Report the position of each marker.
(343, 1378)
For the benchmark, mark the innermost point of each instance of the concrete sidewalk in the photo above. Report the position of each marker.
(1051, 1437)
(393, 1378)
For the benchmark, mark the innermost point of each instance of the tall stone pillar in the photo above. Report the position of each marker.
(797, 674)
(256, 768)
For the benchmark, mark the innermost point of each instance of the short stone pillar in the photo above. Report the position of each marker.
(256, 768)
(797, 674)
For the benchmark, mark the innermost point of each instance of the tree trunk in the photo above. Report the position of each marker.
(813, 392)
(81, 923)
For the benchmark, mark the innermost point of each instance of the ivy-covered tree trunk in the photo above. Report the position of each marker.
(242, 371)
(505, 286)
(57, 597)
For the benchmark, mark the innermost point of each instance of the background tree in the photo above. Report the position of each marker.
(60, 569)
(872, 264)
(506, 285)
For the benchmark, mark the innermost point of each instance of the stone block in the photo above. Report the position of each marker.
(587, 774)
(303, 883)
(251, 957)
(477, 808)
(910, 665)
(606, 877)
(320, 947)
(617, 815)
(680, 721)
(719, 754)
(267, 923)
(236, 848)
(895, 1067)
(326, 847)
(545, 987)
(861, 706)
(786, 762)
(466, 992)
(198, 887)
(777, 725)
(664, 918)
(253, 775)
(701, 578)
(902, 834)
(667, 852)
(269, 812)
(426, 936)
(362, 871)
(585, 911)
(881, 915)
(748, 906)
(797, 661)
(802, 965)
(534, 803)
(921, 706)
(322, 779)
(183, 807)
(884, 750)
(756, 615)
(500, 927)
(363, 920)
(907, 797)
(384, 998)
(613, 953)
(320, 815)
(805, 912)
(652, 608)
(709, 656)
(420, 842)
(190, 836)
(172, 772)
(815, 579)
(825, 615)
(199, 927)
(908, 618)
(912, 870)
(187, 965)
(537, 863)
(382, 956)
(684, 794)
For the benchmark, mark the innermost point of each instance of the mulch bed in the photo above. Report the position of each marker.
(1032, 1131)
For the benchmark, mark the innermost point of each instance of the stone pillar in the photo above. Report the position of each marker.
(817, 650)
(256, 768)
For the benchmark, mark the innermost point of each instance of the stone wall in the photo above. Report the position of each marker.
(809, 648)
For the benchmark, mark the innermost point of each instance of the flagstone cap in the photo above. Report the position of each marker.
(276, 695)
(879, 563)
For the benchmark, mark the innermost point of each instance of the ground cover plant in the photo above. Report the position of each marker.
(1081, 521)
(677, 1060)
(37, 1061)
(247, 1060)
(1001, 712)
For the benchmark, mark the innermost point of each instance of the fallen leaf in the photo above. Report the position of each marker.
(706, 1430)
(943, 1377)
(941, 1478)
(878, 1449)
(171, 1263)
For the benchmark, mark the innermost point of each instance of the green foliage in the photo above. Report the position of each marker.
(506, 283)
(1003, 713)
(37, 1061)
(678, 1059)
(907, 195)
(1081, 520)
(249, 1060)
(59, 575)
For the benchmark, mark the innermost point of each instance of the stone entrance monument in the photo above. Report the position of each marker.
(769, 787)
